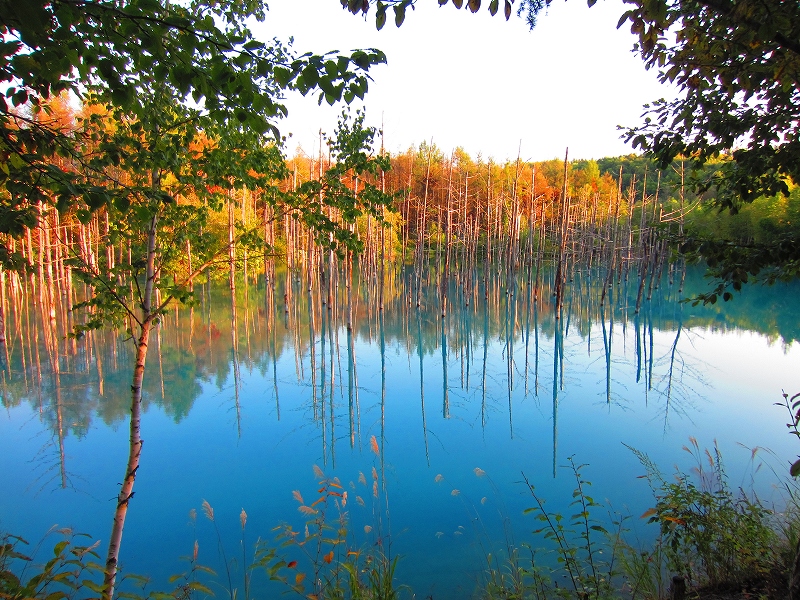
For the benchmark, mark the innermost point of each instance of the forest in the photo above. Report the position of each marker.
(437, 211)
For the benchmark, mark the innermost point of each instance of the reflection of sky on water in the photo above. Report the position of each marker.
(715, 383)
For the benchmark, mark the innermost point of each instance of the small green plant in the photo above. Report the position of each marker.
(504, 574)
(339, 567)
(320, 560)
(586, 553)
(645, 571)
(187, 584)
(520, 577)
(69, 573)
(328, 565)
(708, 533)
(589, 562)
(793, 406)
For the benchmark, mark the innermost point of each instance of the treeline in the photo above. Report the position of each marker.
(443, 212)
(758, 222)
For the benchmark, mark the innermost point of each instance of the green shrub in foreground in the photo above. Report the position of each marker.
(709, 535)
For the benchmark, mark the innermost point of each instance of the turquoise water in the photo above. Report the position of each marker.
(240, 420)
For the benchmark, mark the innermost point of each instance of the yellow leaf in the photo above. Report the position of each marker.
(648, 513)
(298, 579)
(328, 558)
(675, 520)
(373, 445)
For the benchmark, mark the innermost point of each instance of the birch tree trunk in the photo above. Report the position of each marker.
(135, 447)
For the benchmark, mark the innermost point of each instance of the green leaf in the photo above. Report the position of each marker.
(58, 549)
(310, 75)
(196, 585)
(794, 470)
(282, 75)
(95, 587)
(399, 14)
(204, 569)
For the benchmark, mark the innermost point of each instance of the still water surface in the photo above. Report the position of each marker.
(246, 393)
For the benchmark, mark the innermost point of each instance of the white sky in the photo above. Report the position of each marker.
(477, 81)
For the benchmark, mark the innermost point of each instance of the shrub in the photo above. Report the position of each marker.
(708, 533)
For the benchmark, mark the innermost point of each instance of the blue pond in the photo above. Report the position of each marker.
(430, 423)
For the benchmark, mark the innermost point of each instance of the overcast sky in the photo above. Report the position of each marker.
(479, 82)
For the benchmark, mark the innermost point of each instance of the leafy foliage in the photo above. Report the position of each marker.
(71, 571)
(530, 9)
(199, 58)
(340, 570)
(737, 66)
(733, 264)
(709, 534)
(586, 552)
(793, 407)
(346, 186)
(183, 179)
